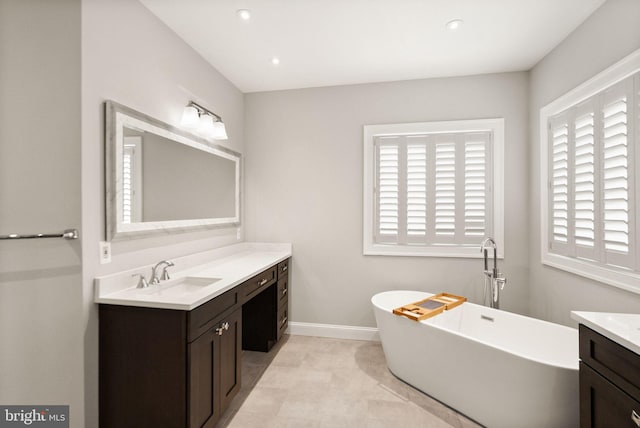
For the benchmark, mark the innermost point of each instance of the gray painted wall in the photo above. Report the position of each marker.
(610, 34)
(304, 185)
(41, 343)
(131, 57)
(304, 161)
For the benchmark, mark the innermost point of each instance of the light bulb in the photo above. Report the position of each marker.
(190, 118)
(219, 131)
(206, 127)
(244, 14)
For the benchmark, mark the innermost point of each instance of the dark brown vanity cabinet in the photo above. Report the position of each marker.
(175, 369)
(266, 313)
(169, 368)
(609, 383)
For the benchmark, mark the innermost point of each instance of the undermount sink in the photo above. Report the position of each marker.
(178, 286)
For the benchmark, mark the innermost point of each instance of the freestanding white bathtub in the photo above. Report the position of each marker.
(498, 368)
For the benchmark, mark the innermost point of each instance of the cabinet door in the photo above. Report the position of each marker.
(230, 358)
(603, 405)
(143, 381)
(204, 384)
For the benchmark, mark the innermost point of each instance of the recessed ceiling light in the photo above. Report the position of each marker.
(454, 24)
(244, 14)
(275, 60)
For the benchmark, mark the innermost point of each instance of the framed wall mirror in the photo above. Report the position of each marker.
(160, 179)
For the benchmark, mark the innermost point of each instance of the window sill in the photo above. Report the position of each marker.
(616, 277)
(471, 252)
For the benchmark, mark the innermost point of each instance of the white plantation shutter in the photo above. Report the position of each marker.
(476, 185)
(127, 184)
(433, 189)
(559, 185)
(616, 174)
(388, 189)
(591, 178)
(417, 169)
(445, 189)
(132, 180)
(584, 182)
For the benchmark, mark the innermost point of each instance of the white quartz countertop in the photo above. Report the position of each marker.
(205, 276)
(623, 329)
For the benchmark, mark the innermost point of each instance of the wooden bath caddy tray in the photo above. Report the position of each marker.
(432, 306)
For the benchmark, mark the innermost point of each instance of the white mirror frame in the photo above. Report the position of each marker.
(119, 116)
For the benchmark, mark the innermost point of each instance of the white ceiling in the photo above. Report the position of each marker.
(336, 42)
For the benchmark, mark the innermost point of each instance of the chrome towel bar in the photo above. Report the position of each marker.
(67, 234)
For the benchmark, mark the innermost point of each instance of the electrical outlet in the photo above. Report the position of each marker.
(105, 252)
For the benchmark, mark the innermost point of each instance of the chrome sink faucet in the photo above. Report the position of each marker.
(494, 281)
(155, 278)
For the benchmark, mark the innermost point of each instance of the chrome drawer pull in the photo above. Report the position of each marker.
(635, 418)
(263, 282)
(284, 268)
(220, 330)
(284, 321)
(284, 291)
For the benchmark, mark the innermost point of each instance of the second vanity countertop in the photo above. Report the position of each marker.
(194, 279)
(623, 329)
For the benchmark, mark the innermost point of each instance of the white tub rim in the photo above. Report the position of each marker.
(473, 339)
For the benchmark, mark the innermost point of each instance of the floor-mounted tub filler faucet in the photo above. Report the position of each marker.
(494, 281)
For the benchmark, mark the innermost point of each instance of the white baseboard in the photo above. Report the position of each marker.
(334, 331)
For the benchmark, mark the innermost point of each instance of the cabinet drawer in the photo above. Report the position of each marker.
(258, 283)
(613, 361)
(203, 317)
(603, 405)
(283, 320)
(283, 290)
(283, 268)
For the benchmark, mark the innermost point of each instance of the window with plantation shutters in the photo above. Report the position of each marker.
(430, 192)
(591, 138)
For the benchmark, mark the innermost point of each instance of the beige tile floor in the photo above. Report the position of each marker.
(321, 383)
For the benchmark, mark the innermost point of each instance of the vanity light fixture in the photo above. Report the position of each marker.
(199, 119)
